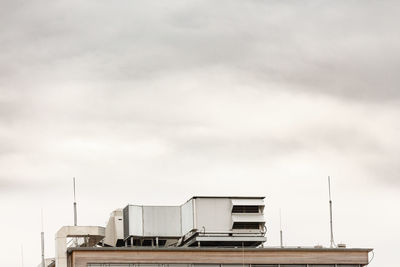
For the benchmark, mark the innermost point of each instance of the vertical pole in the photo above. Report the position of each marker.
(75, 212)
(42, 238)
(280, 227)
(330, 212)
(42, 241)
(22, 255)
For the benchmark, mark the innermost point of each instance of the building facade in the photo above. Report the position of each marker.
(217, 257)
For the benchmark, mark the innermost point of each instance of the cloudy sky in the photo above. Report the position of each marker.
(151, 102)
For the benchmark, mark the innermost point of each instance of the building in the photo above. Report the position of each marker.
(203, 232)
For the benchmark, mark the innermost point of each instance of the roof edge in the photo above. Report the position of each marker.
(236, 197)
(70, 250)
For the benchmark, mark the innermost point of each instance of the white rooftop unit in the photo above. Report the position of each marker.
(114, 229)
(161, 221)
(152, 225)
(201, 221)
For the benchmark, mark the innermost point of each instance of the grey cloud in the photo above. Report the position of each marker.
(317, 48)
(347, 141)
(6, 183)
(18, 185)
(383, 166)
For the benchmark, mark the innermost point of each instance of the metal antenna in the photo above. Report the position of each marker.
(42, 241)
(280, 227)
(75, 212)
(22, 255)
(330, 212)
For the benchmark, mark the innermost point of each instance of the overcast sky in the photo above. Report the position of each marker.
(152, 102)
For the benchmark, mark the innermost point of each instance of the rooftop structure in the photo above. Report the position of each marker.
(213, 231)
(201, 221)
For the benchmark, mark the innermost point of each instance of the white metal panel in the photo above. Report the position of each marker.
(135, 220)
(187, 217)
(115, 228)
(119, 227)
(247, 202)
(248, 218)
(162, 221)
(214, 214)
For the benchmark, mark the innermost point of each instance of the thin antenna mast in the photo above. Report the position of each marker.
(280, 227)
(22, 255)
(75, 212)
(42, 241)
(330, 212)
